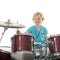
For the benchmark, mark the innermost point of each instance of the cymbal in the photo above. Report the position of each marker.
(11, 25)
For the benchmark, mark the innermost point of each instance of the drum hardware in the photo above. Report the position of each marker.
(40, 55)
(5, 28)
(38, 52)
(46, 53)
(49, 44)
(40, 49)
(46, 49)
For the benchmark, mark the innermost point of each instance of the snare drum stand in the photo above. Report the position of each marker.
(40, 52)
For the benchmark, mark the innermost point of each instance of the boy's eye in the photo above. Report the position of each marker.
(37, 18)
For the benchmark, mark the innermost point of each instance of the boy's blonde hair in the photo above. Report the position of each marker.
(38, 13)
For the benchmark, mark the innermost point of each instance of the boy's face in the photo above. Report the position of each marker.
(37, 20)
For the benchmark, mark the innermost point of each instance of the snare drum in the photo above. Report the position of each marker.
(54, 44)
(22, 42)
(4, 55)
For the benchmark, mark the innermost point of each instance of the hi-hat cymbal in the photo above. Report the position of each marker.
(11, 25)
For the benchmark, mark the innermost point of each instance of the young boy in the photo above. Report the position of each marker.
(38, 31)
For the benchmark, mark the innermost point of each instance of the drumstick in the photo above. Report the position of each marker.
(17, 32)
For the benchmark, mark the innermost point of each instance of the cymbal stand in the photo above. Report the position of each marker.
(5, 28)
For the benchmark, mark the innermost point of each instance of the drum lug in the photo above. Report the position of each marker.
(19, 48)
(55, 44)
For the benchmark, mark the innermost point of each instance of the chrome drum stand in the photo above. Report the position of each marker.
(39, 55)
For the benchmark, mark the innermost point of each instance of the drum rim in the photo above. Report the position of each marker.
(22, 35)
(54, 35)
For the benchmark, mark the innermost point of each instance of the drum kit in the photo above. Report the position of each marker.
(22, 46)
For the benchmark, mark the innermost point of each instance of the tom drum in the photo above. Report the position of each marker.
(54, 44)
(22, 42)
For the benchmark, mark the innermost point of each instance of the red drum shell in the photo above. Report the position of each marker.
(4, 55)
(22, 43)
(55, 46)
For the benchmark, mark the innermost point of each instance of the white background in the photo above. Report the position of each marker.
(23, 10)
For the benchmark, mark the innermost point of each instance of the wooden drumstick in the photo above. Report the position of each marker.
(18, 31)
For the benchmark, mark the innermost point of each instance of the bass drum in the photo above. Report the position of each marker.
(4, 55)
(22, 42)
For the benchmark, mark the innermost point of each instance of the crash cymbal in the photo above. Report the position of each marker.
(9, 24)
